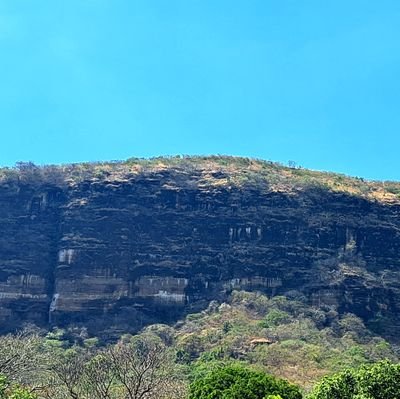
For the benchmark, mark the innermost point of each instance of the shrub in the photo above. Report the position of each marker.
(275, 318)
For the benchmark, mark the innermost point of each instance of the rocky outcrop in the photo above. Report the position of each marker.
(117, 251)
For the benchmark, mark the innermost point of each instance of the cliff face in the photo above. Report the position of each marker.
(125, 246)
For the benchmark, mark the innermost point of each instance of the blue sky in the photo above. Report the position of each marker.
(312, 81)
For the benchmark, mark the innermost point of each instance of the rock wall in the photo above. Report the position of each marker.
(117, 254)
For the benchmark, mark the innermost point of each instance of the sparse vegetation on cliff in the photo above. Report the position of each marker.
(214, 170)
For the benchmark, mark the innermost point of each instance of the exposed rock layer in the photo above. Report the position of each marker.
(118, 252)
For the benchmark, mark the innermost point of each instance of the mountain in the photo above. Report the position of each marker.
(116, 246)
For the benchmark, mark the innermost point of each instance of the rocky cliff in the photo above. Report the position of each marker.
(115, 246)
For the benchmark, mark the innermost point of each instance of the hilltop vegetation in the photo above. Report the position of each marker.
(214, 170)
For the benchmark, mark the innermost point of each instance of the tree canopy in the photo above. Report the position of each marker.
(378, 381)
(236, 381)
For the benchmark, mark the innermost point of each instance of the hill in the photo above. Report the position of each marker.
(120, 245)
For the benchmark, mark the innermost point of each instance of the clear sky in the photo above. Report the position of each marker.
(313, 81)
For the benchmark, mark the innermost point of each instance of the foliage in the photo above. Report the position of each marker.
(305, 343)
(236, 381)
(274, 318)
(21, 393)
(252, 333)
(377, 381)
(11, 391)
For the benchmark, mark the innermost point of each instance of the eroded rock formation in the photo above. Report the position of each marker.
(123, 245)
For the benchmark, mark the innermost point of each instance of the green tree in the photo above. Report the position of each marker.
(21, 393)
(275, 318)
(376, 381)
(339, 386)
(3, 386)
(236, 381)
(8, 391)
(380, 381)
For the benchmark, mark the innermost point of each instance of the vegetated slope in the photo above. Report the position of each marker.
(285, 337)
(249, 334)
(116, 246)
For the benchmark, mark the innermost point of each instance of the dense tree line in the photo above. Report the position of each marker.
(144, 367)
